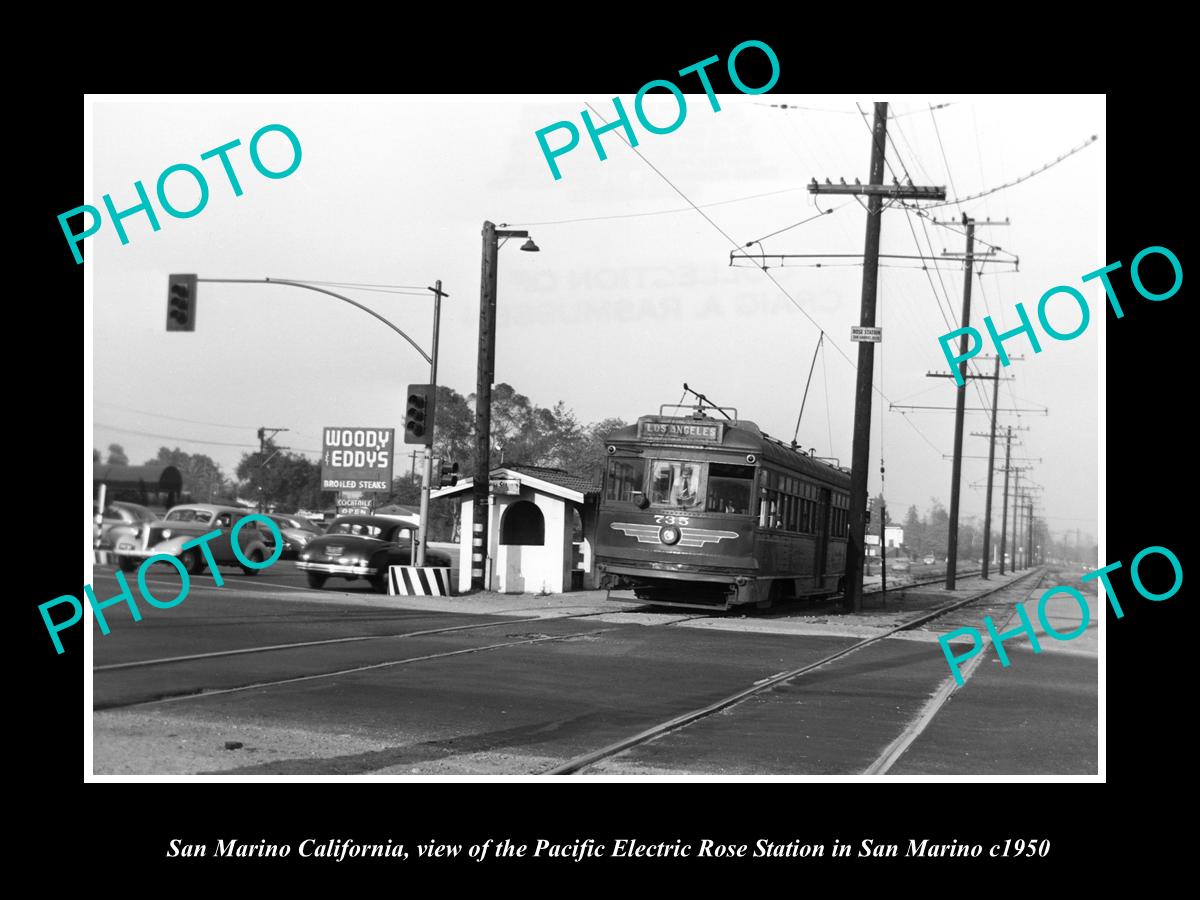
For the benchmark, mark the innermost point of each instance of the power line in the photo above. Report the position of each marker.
(190, 440)
(146, 412)
(1038, 171)
(771, 277)
(660, 212)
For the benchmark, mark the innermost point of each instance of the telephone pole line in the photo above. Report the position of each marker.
(960, 404)
(861, 447)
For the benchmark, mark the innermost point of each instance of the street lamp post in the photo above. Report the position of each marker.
(483, 393)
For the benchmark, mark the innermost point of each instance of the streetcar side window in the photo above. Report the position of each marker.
(729, 488)
(623, 478)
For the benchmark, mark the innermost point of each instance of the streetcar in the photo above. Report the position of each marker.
(709, 512)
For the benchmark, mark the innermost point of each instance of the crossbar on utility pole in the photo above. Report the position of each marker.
(875, 191)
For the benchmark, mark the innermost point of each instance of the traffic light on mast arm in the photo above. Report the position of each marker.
(181, 303)
(418, 420)
(448, 477)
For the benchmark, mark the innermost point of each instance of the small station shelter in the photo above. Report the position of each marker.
(541, 530)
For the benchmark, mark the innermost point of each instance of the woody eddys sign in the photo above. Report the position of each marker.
(357, 459)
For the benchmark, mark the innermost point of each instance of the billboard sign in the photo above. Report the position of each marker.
(357, 459)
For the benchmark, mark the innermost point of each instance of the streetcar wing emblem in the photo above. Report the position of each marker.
(645, 534)
(698, 537)
(689, 537)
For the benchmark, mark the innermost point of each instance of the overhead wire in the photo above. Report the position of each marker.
(958, 200)
(765, 272)
(660, 212)
(189, 440)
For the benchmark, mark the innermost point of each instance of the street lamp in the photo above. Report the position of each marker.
(483, 392)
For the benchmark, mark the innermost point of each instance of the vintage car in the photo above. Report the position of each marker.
(297, 532)
(362, 547)
(191, 520)
(119, 518)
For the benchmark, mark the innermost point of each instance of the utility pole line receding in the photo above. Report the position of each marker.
(861, 447)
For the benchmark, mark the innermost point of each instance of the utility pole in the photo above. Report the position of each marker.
(1004, 506)
(959, 406)
(485, 375)
(427, 468)
(861, 448)
(262, 464)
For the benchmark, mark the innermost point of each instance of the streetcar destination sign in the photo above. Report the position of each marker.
(681, 431)
(357, 459)
(861, 333)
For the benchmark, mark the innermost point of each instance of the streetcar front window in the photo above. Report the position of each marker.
(675, 483)
(624, 478)
(729, 488)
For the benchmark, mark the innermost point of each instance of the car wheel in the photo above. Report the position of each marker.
(191, 561)
(316, 580)
(255, 556)
(378, 583)
(127, 563)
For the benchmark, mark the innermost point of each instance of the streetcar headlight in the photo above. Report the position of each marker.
(669, 534)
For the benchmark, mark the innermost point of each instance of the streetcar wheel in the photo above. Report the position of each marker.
(316, 580)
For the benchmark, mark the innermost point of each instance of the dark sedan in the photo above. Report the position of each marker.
(362, 547)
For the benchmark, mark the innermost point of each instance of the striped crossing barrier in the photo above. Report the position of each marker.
(419, 581)
(105, 557)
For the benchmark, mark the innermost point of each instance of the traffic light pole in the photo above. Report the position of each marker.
(427, 468)
(181, 315)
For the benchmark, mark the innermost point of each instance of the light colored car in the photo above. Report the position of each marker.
(119, 518)
(191, 520)
(929, 560)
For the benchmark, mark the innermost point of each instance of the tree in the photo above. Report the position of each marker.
(914, 532)
(280, 479)
(96, 458)
(116, 455)
(454, 429)
(203, 479)
(937, 529)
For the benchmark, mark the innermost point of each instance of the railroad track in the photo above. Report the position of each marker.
(579, 763)
(202, 693)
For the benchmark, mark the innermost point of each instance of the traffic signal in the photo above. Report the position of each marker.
(448, 477)
(181, 303)
(418, 421)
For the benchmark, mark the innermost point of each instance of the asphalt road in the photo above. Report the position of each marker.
(493, 685)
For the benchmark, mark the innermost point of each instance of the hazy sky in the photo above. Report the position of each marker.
(615, 313)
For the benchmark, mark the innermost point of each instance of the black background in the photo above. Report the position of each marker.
(120, 829)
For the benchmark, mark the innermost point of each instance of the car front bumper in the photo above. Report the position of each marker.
(360, 571)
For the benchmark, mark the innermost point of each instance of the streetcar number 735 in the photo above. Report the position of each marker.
(671, 520)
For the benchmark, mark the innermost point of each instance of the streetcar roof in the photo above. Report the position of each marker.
(740, 435)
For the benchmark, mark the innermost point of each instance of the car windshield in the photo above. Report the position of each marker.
(364, 529)
(190, 515)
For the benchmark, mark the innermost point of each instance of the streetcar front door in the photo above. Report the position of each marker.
(819, 563)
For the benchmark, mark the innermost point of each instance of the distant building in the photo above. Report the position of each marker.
(895, 537)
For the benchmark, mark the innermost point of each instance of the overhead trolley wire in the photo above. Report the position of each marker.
(771, 277)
